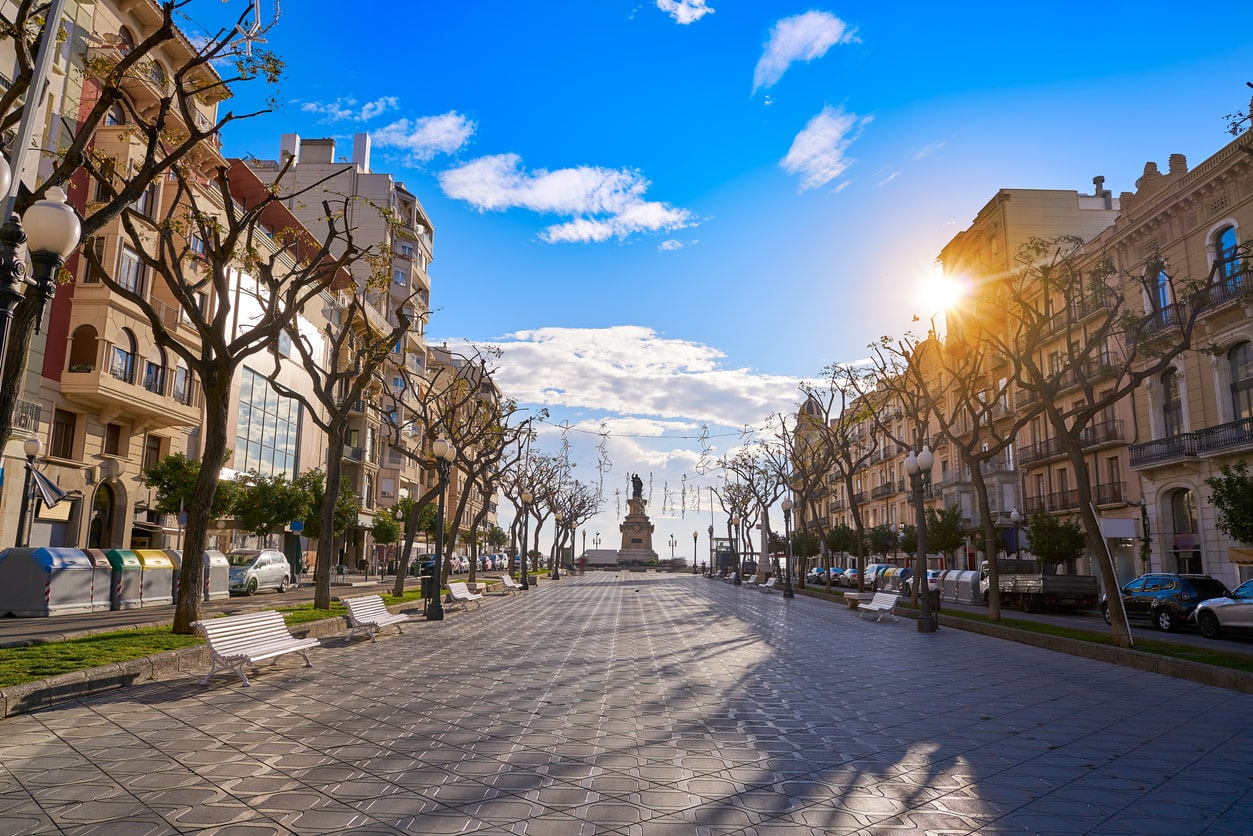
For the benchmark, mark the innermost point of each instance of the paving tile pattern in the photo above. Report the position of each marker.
(644, 705)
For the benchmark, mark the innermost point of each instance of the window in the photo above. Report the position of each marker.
(181, 390)
(122, 360)
(268, 430)
(154, 377)
(400, 278)
(282, 344)
(196, 245)
(115, 115)
(1161, 291)
(63, 426)
(1241, 360)
(1185, 545)
(91, 275)
(130, 271)
(1226, 253)
(113, 440)
(1172, 405)
(152, 451)
(406, 250)
(146, 203)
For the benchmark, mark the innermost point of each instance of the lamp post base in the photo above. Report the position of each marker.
(927, 624)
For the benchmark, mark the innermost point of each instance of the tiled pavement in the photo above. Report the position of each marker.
(645, 704)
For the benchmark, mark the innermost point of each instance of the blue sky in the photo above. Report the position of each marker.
(668, 212)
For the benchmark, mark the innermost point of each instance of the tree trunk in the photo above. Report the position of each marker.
(330, 500)
(1119, 630)
(989, 542)
(212, 457)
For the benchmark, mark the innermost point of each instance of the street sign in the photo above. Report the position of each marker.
(296, 525)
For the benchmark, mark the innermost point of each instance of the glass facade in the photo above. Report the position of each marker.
(268, 431)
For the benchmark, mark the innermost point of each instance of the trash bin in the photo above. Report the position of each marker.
(43, 582)
(126, 592)
(428, 593)
(156, 584)
(217, 575)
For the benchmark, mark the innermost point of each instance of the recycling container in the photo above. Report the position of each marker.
(43, 582)
(156, 578)
(128, 573)
(217, 575)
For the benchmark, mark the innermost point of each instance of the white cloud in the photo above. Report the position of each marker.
(602, 203)
(671, 244)
(801, 38)
(928, 150)
(424, 137)
(819, 152)
(342, 110)
(630, 370)
(889, 178)
(685, 11)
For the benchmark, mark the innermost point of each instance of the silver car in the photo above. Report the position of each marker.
(253, 569)
(1230, 614)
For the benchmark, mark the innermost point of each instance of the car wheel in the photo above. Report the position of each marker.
(252, 587)
(1165, 620)
(1105, 615)
(282, 585)
(1208, 622)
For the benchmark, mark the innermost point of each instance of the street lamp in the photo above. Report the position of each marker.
(32, 447)
(1016, 518)
(596, 541)
(733, 526)
(787, 534)
(695, 537)
(919, 469)
(712, 555)
(444, 453)
(50, 231)
(560, 540)
(672, 543)
(526, 498)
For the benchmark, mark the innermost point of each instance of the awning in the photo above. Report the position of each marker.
(1242, 557)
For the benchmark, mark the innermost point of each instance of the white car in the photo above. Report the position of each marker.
(252, 570)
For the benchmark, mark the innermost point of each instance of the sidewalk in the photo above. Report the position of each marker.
(645, 704)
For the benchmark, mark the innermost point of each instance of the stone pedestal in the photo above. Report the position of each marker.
(637, 535)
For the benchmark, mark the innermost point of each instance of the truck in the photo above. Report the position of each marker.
(1026, 584)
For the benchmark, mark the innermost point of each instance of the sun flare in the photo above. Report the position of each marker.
(942, 293)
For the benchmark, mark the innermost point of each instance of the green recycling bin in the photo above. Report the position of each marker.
(128, 574)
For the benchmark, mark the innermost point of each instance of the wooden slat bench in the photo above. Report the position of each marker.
(368, 614)
(883, 603)
(238, 640)
(461, 594)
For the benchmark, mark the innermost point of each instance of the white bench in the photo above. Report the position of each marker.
(882, 603)
(238, 640)
(369, 614)
(461, 594)
(750, 581)
(507, 585)
(770, 584)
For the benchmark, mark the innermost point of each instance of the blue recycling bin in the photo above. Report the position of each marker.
(43, 581)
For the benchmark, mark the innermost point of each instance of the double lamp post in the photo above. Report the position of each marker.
(444, 453)
(919, 469)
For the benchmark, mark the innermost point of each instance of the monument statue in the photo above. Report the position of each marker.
(637, 486)
(637, 531)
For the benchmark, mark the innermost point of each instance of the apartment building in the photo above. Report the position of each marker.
(389, 219)
(1188, 225)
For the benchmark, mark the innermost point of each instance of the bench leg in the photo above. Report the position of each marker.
(237, 667)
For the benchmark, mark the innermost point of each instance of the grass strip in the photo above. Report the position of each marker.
(27, 664)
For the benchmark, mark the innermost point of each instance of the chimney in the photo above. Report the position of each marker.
(1178, 164)
(1099, 182)
(289, 147)
(361, 152)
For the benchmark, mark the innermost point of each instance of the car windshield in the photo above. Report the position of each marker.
(1209, 587)
(242, 559)
(1244, 590)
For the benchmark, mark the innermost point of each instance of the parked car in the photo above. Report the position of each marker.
(1230, 614)
(849, 577)
(1165, 600)
(816, 575)
(933, 581)
(252, 570)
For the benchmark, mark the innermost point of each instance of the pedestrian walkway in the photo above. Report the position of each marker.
(647, 704)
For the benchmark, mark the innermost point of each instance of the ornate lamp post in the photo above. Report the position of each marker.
(919, 469)
(596, 541)
(557, 530)
(526, 497)
(672, 544)
(787, 533)
(32, 447)
(695, 537)
(1016, 518)
(444, 455)
(733, 525)
(711, 550)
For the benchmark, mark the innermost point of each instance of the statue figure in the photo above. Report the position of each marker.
(637, 486)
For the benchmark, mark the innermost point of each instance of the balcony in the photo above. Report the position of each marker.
(836, 505)
(1229, 289)
(1168, 317)
(1237, 435)
(1111, 493)
(880, 491)
(1049, 448)
(859, 498)
(26, 416)
(1164, 450)
(156, 399)
(1102, 433)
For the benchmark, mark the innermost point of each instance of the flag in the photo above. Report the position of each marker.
(49, 491)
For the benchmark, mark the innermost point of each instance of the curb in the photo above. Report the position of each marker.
(45, 693)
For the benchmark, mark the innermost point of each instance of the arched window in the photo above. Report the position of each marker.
(122, 362)
(1172, 404)
(154, 373)
(1185, 543)
(126, 41)
(1240, 359)
(1225, 252)
(100, 532)
(1161, 291)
